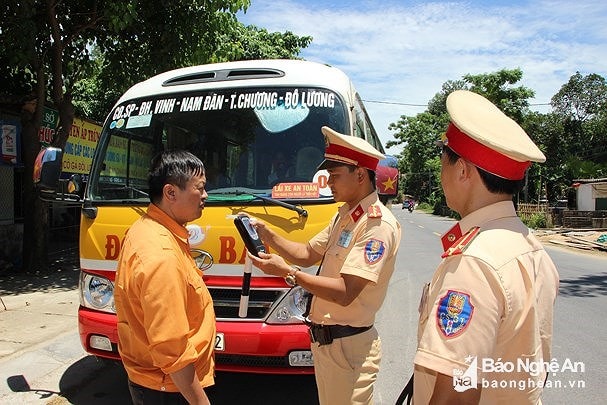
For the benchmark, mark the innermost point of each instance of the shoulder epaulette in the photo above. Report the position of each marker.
(374, 211)
(460, 245)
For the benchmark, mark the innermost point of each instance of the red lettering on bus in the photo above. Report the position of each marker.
(227, 253)
(112, 247)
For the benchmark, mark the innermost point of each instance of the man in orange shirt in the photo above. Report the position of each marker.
(166, 321)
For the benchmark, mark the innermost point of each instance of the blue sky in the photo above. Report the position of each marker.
(403, 51)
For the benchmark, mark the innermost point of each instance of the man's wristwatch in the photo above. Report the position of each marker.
(290, 278)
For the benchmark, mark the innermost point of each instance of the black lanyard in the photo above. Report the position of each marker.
(309, 294)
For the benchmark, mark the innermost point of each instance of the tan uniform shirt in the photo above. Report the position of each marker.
(362, 242)
(491, 300)
(165, 312)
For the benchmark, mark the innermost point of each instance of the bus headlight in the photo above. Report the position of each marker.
(290, 310)
(97, 292)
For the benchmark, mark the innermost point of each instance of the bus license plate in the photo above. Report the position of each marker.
(219, 342)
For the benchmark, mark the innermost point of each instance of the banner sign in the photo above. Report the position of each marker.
(10, 141)
(48, 126)
(80, 146)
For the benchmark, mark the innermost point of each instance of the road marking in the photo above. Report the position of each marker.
(437, 234)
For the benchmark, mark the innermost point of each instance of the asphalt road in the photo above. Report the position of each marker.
(41, 361)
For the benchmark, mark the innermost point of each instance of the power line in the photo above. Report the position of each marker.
(423, 105)
(395, 103)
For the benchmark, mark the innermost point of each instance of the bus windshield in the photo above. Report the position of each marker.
(250, 140)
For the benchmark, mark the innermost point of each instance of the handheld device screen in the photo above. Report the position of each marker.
(249, 235)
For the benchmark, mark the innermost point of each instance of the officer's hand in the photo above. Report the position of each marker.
(262, 230)
(270, 264)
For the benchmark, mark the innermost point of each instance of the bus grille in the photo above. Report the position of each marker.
(226, 302)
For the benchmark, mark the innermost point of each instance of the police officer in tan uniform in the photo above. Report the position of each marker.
(358, 251)
(488, 310)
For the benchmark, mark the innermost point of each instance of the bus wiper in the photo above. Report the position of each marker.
(297, 208)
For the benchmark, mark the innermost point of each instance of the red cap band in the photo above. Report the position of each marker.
(483, 156)
(363, 160)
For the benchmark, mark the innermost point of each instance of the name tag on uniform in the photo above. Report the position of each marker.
(424, 298)
(344, 239)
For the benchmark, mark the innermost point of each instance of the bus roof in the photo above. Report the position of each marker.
(253, 73)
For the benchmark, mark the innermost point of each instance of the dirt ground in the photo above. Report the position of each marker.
(586, 241)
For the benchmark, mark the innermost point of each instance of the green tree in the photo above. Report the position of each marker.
(50, 41)
(418, 135)
(419, 158)
(240, 42)
(108, 80)
(549, 178)
(498, 87)
(573, 137)
(581, 103)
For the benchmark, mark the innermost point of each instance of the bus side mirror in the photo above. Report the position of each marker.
(47, 168)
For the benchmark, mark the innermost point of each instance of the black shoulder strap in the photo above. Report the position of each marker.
(407, 393)
(309, 294)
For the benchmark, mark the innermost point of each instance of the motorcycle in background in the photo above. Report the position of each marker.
(408, 204)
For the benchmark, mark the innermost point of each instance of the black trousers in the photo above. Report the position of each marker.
(147, 396)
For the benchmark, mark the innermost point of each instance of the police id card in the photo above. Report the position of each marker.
(344, 239)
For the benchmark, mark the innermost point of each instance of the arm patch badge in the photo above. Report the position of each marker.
(454, 313)
(374, 251)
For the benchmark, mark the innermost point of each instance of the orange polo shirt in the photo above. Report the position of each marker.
(165, 312)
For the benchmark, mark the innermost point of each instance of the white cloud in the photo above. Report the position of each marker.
(404, 51)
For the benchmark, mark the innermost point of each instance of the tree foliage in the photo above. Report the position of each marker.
(82, 54)
(241, 42)
(498, 87)
(581, 98)
(581, 104)
(573, 136)
(418, 135)
(234, 41)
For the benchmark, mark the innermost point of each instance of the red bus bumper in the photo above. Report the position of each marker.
(250, 347)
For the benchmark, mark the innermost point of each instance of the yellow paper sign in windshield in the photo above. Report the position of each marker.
(80, 146)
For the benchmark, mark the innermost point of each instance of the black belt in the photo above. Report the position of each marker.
(324, 334)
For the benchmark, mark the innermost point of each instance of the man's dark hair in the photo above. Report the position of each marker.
(172, 167)
(494, 184)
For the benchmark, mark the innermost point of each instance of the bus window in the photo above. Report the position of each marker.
(249, 141)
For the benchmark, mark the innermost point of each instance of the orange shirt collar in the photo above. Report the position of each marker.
(158, 215)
